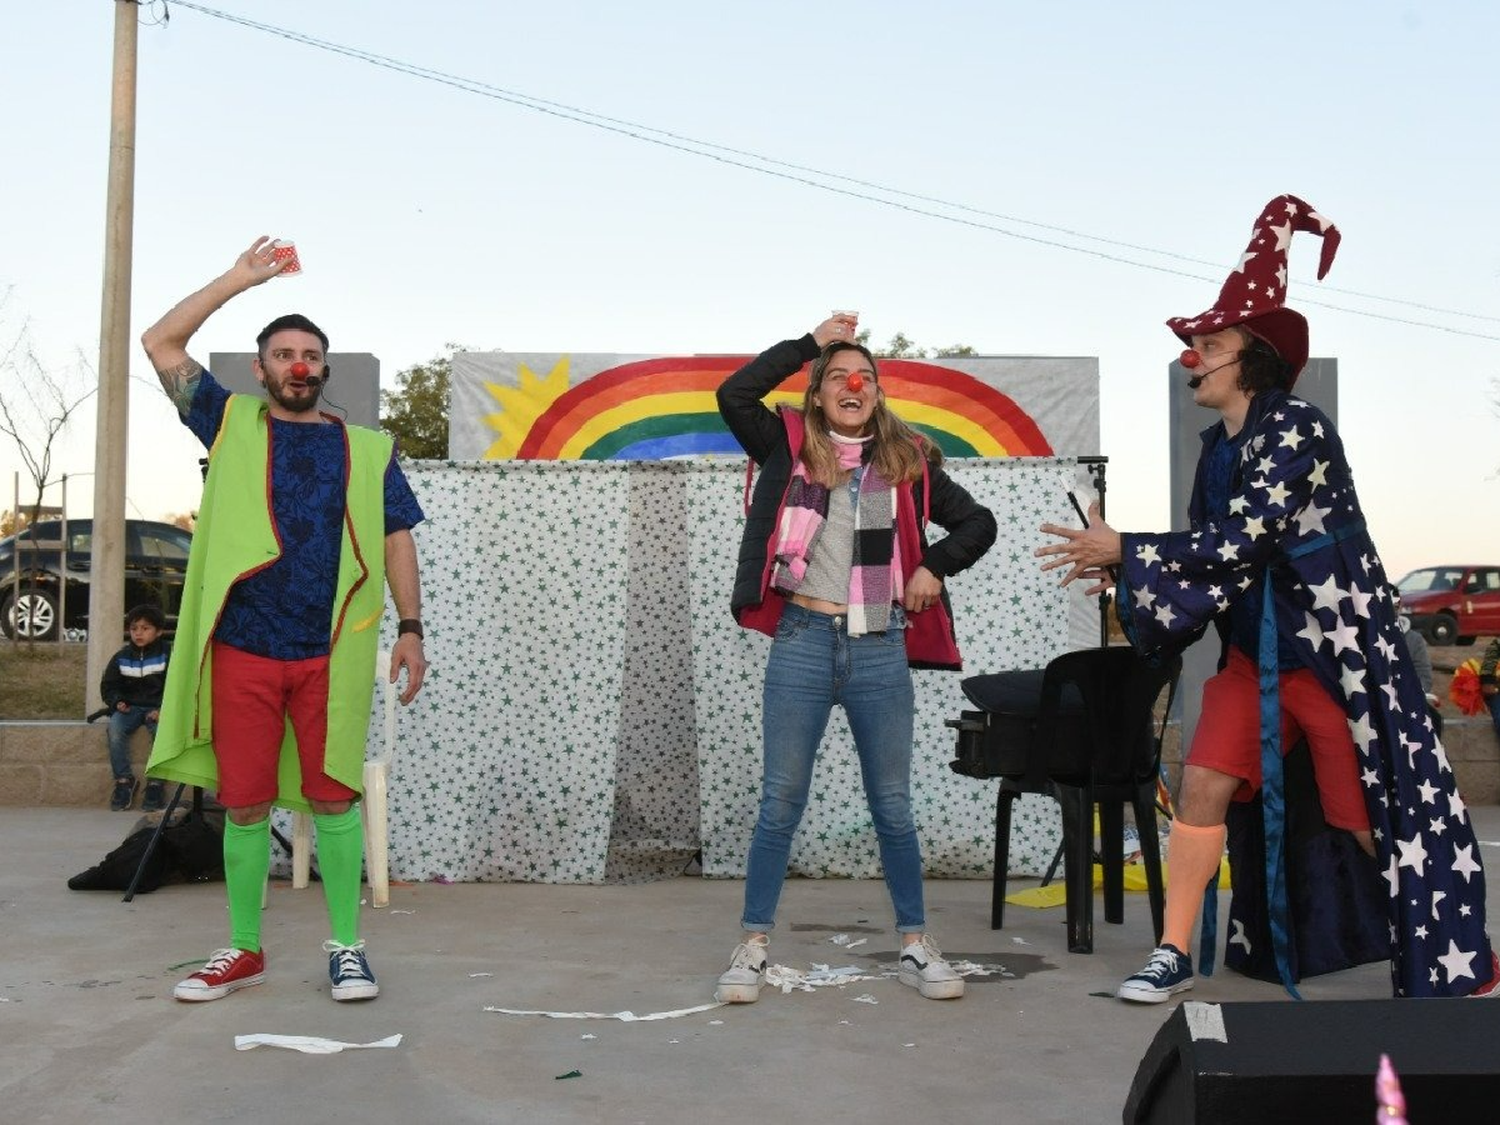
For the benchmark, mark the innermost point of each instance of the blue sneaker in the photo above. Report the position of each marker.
(1169, 970)
(349, 972)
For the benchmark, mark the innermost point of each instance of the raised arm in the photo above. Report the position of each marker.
(740, 396)
(166, 340)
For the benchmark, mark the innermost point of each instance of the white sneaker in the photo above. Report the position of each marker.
(740, 983)
(922, 966)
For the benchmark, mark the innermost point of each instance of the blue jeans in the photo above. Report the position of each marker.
(122, 724)
(815, 664)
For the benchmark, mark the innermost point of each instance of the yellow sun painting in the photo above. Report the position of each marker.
(521, 406)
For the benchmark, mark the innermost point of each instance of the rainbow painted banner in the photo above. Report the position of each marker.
(654, 407)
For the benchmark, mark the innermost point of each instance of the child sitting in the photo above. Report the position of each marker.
(132, 686)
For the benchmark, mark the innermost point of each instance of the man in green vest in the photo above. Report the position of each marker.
(304, 520)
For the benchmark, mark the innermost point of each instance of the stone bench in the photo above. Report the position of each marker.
(61, 762)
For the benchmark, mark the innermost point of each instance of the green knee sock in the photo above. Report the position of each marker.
(247, 858)
(341, 850)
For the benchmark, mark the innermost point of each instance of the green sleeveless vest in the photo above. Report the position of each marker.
(234, 537)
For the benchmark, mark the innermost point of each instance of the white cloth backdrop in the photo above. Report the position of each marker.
(592, 711)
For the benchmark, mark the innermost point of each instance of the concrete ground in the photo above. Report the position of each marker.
(91, 1031)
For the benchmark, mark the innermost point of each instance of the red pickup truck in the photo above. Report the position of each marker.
(1453, 604)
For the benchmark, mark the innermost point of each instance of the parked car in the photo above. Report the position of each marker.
(1453, 604)
(32, 581)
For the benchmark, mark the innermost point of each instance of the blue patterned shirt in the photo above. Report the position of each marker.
(285, 611)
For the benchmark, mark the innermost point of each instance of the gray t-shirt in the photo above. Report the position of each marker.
(832, 555)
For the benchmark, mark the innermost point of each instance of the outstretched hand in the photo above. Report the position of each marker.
(1088, 553)
(840, 326)
(257, 265)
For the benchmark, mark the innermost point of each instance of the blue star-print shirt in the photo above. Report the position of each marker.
(286, 610)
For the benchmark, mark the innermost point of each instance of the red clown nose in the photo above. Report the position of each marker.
(1190, 358)
(856, 382)
(300, 370)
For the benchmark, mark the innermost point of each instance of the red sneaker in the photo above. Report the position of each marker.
(227, 970)
(1490, 989)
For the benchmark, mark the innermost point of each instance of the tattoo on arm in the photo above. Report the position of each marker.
(181, 383)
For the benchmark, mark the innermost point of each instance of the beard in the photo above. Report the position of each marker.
(289, 399)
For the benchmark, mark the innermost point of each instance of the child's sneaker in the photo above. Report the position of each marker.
(1169, 970)
(349, 972)
(922, 966)
(123, 794)
(227, 970)
(154, 799)
(740, 983)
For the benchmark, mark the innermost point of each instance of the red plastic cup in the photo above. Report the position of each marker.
(285, 250)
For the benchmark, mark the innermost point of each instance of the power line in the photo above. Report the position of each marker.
(802, 174)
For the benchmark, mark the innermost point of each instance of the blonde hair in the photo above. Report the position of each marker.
(898, 449)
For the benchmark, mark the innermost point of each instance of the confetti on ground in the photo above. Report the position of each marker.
(787, 978)
(715, 1023)
(474, 975)
(623, 1017)
(846, 942)
(587, 1036)
(403, 911)
(976, 969)
(570, 1074)
(908, 1044)
(866, 999)
(1020, 941)
(308, 1044)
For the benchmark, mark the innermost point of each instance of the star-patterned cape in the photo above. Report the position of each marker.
(1294, 514)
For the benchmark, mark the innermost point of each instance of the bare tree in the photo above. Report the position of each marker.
(36, 406)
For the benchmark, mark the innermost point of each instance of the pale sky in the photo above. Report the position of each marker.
(427, 214)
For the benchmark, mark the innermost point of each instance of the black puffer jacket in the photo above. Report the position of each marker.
(970, 525)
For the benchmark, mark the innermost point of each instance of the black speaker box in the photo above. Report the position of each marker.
(1315, 1062)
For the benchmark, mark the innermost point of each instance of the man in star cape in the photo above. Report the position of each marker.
(1279, 560)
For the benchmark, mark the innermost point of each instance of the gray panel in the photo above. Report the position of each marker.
(1318, 384)
(353, 390)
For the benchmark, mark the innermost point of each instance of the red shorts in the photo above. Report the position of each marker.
(254, 698)
(1228, 736)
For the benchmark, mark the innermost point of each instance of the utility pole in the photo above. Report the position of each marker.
(107, 568)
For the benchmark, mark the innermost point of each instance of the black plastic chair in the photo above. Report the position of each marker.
(1084, 730)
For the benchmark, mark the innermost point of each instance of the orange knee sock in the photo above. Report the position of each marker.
(1193, 855)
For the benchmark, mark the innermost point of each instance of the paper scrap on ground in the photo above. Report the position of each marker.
(787, 978)
(976, 969)
(846, 942)
(473, 975)
(394, 912)
(866, 999)
(308, 1044)
(623, 1017)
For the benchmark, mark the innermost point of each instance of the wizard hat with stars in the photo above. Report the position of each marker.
(1253, 295)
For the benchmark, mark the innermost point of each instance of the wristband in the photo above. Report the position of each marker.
(410, 625)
